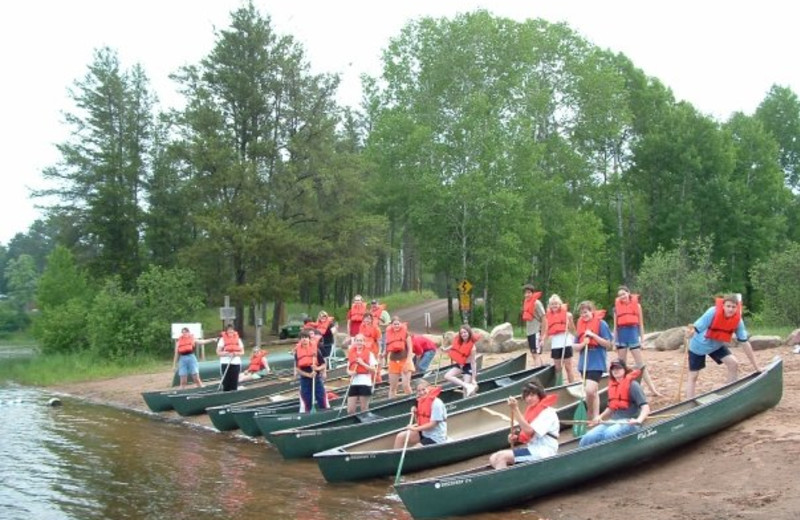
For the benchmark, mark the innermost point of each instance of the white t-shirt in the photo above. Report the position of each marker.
(437, 434)
(541, 444)
(365, 379)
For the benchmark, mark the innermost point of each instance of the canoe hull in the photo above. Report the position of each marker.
(485, 490)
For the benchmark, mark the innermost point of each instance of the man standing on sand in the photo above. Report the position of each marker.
(533, 315)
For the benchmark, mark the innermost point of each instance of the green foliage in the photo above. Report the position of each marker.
(777, 280)
(116, 326)
(21, 278)
(61, 281)
(676, 286)
(63, 328)
(11, 320)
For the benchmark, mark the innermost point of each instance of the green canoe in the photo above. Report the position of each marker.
(210, 369)
(271, 420)
(480, 488)
(306, 441)
(196, 404)
(474, 431)
(242, 415)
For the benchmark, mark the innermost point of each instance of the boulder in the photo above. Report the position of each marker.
(511, 345)
(447, 338)
(670, 339)
(765, 342)
(649, 340)
(436, 338)
(793, 338)
(485, 342)
(502, 333)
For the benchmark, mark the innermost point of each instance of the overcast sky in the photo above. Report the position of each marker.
(721, 57)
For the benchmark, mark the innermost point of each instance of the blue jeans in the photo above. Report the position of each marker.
(604, 432)
(424, 361)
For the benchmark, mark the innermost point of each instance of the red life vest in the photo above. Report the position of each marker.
(593, 325)
(619, 392)
(529, 306)
(556, 320)
(231, 342)
(354, 355)
(460, 351)
(323, 324)
(356, 312)
(372, 336)
(396, 339)
(186, 344)
(627, 313)
(722, 328)
(307, 355)
(376, 313)
(532, 412)
(256, 361)
(425, 405)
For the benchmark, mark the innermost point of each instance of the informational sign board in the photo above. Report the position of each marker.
(464, 302)
(195, 328)
(227, 313)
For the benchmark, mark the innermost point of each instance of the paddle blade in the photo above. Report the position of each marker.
(579, 425)
(559, 379)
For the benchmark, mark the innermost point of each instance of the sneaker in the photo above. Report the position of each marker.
(472, 388)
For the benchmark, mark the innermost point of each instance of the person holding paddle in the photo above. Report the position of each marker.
(538, 428)
(230, 350)
(310, 367)
(593, 338)
(533, 314)
(629, 331)
(627, 407)
(361, 363)
(431, 427)
(558, 328)
(710, 335)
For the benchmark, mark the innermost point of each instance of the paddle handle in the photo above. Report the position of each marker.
(405, 448)
(511, 430)
(684, 367)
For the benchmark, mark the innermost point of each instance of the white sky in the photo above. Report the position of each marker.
(720, 56)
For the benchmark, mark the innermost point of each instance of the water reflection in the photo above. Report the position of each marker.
(82, 461)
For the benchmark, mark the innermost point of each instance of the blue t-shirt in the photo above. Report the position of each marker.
(597, 356)
(701, 345)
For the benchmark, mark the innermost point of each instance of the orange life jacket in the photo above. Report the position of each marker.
(356, 312)
(619, 392)
(532, 412)
(256, 361)
(627, 313)
(307, 355)
(186, 344)
(376, 313)
(372, 336)
(722, 328)
(353, 355)
(529, 306)
(460, 351)
(396, 339)
(557, 320)
(593, 325)
(231, 342)
(425, 405)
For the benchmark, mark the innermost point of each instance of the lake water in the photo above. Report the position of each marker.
(82, 461)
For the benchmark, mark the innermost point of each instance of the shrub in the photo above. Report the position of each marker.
(777, 279)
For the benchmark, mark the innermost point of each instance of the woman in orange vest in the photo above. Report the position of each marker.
(462, 351)
(431, 419)
(326, 326)
(629, 331)
(372, 337)
(185, 360)
(627, 407)
(538, 428)
(593, 338)
(533, 317)
(356, 315)
(559, 329)
(230, 350)
(710, 336)
(309, 365)
(361, 364)
(258, 362)
(398, 349)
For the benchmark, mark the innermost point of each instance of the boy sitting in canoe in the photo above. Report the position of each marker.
(431, 427)
(538, 428)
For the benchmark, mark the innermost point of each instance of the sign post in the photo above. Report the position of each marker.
(227, 313)
(464, 298)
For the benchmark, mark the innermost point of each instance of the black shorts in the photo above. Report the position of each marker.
(533, 339)
(556, 353)
(594, 375)
(359, 390)
(697, 362)
(426, 441)
(466, 369)
(325, 349)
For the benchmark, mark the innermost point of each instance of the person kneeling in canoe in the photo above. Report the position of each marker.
(627, 407)
(431, 427)
(538, 428)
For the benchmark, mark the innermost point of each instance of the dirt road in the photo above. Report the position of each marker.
(415, 316)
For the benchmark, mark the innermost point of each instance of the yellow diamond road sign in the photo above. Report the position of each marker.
(465, 286)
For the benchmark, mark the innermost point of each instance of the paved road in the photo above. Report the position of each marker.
(415, 316)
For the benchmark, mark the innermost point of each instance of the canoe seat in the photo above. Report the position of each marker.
(503, 381)
(710, 398)
(367, 417)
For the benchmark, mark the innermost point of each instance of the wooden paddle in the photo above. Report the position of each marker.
(579, 426)
(498, 414)
(511, 430)
(625, 421)
(345, 397)
(684, 367)
(560, 376)
(313, 390)
(405, 447)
